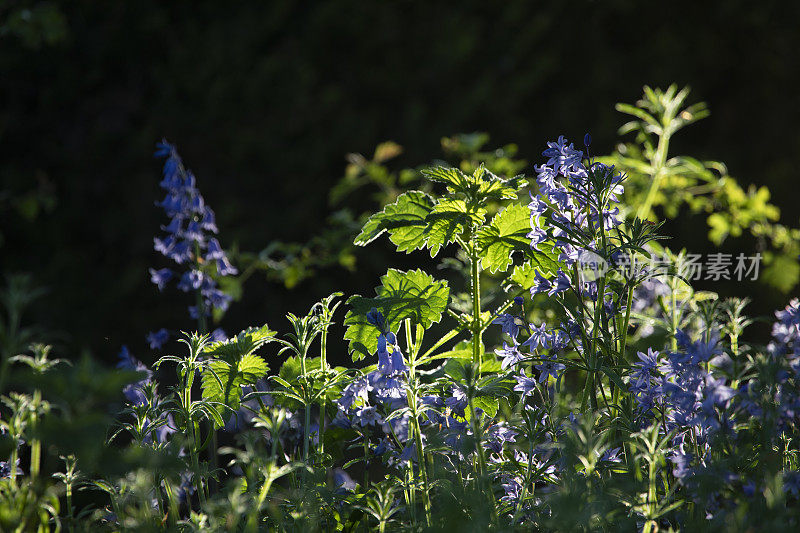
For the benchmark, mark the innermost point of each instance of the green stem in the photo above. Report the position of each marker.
(323, 357)
(477, 329)
(624, 329)
(657, 164)
(187, 407)
(411, 395)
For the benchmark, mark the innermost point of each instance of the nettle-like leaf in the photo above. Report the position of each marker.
(232, 376)
(245, 342)
(414, 295)
(505, 235)
(481, 185)
(449, 219)
(405, 220)
(544, 261)
(234, 365)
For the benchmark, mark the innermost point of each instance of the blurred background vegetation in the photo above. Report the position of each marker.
(265, 99)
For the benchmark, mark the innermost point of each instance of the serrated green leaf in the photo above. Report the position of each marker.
(292, 367)
(506, 234)
(543, 260)
(449, 219)
(487, 404)
(453, 178)
(414, 295)
(233, 375)
(246, 342)
(405, 220)
(482, 185)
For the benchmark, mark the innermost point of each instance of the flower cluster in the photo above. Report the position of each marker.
(572, 208)
(189, 241)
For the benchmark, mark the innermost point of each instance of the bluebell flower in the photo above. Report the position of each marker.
(498, 435)
(377, 319)
(512, 490)
(187, 238)
(457, 402)
(540, 284)
(682, 464)
(390, 358)
(367, 416)
(646, 368)
(383, 446)
(133, 391)
(563, 157)
(525, 385)
(510, 355)
(538, 337)
(218, 335)
(549, 367)
(355, 393)
(398, 427)
(562, 284)
(342, 481)
(716, 393)
(509, 324)
(160, 277)
(156, 339)
(611, 455)
(5, 469)
(409, 452)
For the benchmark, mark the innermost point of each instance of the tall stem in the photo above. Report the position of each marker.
(477, 326)
(324, 366)
(624, 329)
(411, 395)
(657, 164)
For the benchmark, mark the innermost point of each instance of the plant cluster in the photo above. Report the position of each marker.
(617, 398)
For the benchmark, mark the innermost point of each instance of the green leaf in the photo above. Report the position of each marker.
(405, 220)
(233, 376)
(449, 219)
(544, 261)
(246, 342)
(414, 295)
(506, 234)
(292, 367)
(482, 185)
(487, 404)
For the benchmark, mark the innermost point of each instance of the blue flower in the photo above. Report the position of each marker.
(562, 156)
(187, 238)
(498, 435)
(160, 277)
(510, 354)
(540, 284)
(376, 318)
(509, 323)
(5, 469)
(525, 385)
(561, 285)
(549, 367)
(342, 481)
(390, 358)
(133, 391)
(157, 338)
(457, 402)
(367, 416)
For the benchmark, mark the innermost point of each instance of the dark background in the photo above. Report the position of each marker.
(264, 99)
